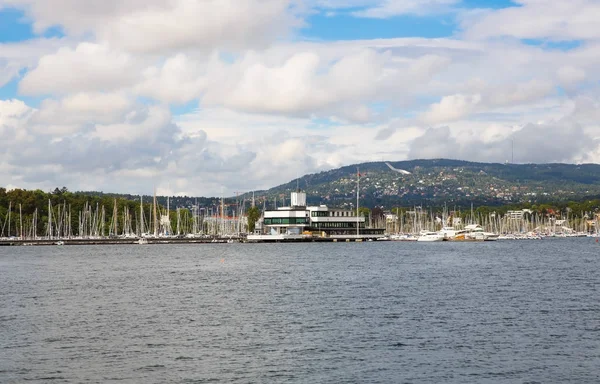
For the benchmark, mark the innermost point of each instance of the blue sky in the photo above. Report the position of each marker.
(15, 26)
(322, 24)
(124, 96)
(343, 25)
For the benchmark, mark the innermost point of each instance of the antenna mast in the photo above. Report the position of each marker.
(512, 151)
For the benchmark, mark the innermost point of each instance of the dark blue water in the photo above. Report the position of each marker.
(514, 312)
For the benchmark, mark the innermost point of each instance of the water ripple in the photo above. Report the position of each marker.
(522, 312)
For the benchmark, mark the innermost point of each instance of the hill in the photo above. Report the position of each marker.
(444, 181)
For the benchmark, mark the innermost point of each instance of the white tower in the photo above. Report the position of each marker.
(298, 199)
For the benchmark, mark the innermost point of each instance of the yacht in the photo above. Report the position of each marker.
(430, 236)
(451, 233)
(476, 232)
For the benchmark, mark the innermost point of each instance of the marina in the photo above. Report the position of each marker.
(60, 223)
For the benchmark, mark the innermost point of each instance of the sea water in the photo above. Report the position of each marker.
(372, 312)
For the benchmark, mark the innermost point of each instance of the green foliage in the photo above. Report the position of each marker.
(24, 205)
(364, 211)
(253, 216)
(452, 182)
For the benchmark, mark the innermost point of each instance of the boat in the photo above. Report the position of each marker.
(404, 237)
(450, 233)
(142, 241)
(60, 242)
(430, 236)
(476, 232)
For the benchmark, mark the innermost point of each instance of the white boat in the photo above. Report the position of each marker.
(450, 233)
(142, 241)
(403, 237)
(476, 232)
(430, 236)
(60, 242)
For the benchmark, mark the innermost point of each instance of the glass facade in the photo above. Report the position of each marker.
(320, 225)
(291, 220)
(332, 214)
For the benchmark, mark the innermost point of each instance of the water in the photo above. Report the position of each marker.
(514, 312)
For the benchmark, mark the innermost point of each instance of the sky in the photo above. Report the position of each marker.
(217, 97)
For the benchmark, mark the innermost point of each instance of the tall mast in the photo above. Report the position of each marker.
(49, 219)
(21, 221)
(141, 216)
(357, 194)
(222, 214)
(9, 209)
(155, 217)
(115, 218)
(168, 229)
(70, 234)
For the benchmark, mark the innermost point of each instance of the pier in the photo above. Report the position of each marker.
(186, 240)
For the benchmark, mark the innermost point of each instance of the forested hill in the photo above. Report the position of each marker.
(394, 184)
(442, 181)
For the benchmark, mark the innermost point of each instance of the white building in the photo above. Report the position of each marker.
(299, 219)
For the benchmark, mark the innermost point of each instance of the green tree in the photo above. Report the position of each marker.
(253, 216)
(364, 211)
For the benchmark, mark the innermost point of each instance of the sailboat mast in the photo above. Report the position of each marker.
(115, 219)
(141, 215)
(155, 217)
(222, 215)
(357, 197)
(21, 221)
(168, 229)
(9, 209)
(49, 219)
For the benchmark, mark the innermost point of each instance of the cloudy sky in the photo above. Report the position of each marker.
(204, 97)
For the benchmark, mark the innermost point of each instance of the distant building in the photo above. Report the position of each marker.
(300, 219)
(518, 215)
(391, 217)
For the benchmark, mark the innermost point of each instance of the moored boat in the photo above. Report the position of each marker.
(430, 236)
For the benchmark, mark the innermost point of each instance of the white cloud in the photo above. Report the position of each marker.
(12, 114)
(228, 24)
(146, 124)
(302, 84)
(386, 8)
(535, 19)
(519, 93)
(89, 67)
(560, 141)
(572, 135)
(570, 76)
(82, 108)
(270, 107)
(15, 57)
(317, 82)
(179, 80)
(451, 108)
(166, 25)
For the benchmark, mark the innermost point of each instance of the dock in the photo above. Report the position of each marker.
(188, 240)
(113, 241)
